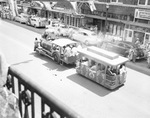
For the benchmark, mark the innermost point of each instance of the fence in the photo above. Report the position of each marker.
(27, 89)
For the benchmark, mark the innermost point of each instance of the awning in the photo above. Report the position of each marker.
(64, 4)
(37, 4)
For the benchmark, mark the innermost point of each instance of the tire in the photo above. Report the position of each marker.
(56, 58)
(35, 26)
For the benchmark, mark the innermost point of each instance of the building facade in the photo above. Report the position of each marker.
(128, 19)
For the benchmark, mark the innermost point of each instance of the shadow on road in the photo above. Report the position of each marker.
(52, 65)
(90, 85)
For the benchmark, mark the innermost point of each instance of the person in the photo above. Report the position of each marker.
(109, 71)
(148, 46)
(132, 53)
(94, 67)
(122, 69)
(8, 102)
(67, 51)
(137, 43)
(36, 44)
(74, 51)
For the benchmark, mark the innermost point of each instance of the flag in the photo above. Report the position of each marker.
(91, 5)
(52, 4)
(74, 5)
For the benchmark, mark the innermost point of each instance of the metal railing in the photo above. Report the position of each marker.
(19, 83)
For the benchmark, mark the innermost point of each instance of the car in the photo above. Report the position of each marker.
(50, 33)
(86, 37)
(55, 24)
(64, 30)
(52, 24)
(22, 18)
(38, 21)
(124, 48)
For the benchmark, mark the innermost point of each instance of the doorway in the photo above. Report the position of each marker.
(128, 35)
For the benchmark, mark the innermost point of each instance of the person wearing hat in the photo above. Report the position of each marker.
(137, 43)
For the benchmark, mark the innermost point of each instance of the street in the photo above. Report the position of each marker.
(82, 95)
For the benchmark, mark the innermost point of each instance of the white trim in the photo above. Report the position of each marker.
(117, 1)
(146, 3)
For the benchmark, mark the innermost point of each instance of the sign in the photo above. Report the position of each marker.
(142, 14)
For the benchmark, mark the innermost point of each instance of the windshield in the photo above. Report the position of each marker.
(93, 34)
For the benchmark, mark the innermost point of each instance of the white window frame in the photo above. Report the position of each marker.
(146, 3)
(117, 1)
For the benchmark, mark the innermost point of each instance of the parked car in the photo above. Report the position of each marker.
(124, 48)
(22, 18)
(86, 37)
(50, 33)
(52, 24)
(64, 30)
(38, 21)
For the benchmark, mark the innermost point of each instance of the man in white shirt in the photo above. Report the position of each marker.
(67, 51)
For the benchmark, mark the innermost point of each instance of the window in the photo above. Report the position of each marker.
(148, 2)
(117, 1)
(121, 44)
(130, 34)
(144, 2)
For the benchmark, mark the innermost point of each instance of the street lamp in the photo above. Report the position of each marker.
(107, 7)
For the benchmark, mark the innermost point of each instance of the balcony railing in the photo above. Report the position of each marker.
(26, 89)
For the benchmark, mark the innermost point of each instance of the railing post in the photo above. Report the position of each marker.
(42, 108)
(26, 98)
(19, 92)
(32, 104)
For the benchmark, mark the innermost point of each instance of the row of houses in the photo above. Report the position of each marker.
(127, 19)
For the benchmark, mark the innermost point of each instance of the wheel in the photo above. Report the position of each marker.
(35, 25)
(56, 58)
(86, 43)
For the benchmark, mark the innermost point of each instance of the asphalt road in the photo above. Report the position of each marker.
(80, 94)
(139, 65)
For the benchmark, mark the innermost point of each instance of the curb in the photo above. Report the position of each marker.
(136, 67)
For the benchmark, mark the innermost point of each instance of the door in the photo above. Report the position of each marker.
(128, 35)
(146, 38)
